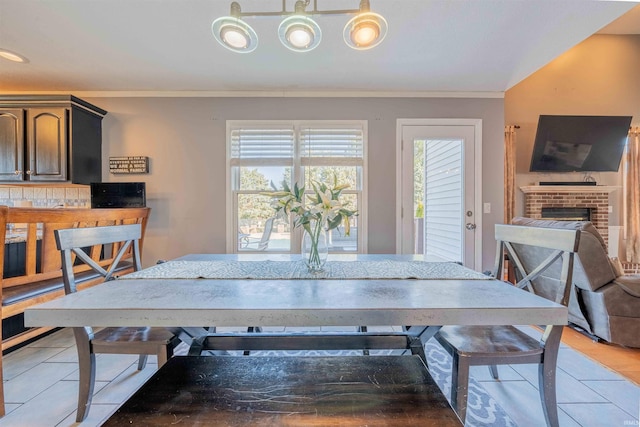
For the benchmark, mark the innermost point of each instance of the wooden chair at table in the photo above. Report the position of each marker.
(540, 256)
(85, 244)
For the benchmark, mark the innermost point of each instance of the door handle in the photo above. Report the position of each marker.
(470, 226)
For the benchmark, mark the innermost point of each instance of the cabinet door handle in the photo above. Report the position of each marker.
(18, 172)
(28, 172)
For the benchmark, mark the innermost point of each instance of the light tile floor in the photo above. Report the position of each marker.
(41, 383)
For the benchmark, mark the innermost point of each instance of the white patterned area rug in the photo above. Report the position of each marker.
(482, 409)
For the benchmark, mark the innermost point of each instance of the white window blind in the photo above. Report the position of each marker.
(251, 146)
(332, 145)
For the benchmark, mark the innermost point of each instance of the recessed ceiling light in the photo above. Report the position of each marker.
(12, 56)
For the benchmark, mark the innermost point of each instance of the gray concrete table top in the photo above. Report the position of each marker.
(373, 302)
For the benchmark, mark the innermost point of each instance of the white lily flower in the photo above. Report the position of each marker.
(323, 206)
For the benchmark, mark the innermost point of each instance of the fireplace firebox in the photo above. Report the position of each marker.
(566, 213)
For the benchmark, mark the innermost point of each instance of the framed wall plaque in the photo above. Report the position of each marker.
(129, 164)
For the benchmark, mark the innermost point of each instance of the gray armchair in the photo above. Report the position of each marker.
(602, 302)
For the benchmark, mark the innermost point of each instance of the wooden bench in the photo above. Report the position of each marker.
(289, 391)
(39, 276)
(39, 272)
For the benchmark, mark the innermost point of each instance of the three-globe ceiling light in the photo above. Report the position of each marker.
(298, 31)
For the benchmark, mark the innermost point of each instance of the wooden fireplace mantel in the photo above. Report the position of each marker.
(569, 188)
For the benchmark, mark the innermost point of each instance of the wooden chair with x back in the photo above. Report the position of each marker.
(84, 245)
(544, 260)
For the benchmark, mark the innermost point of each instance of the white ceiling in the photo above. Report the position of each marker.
(166, 45)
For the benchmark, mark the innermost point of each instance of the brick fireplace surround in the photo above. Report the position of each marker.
(594, 197)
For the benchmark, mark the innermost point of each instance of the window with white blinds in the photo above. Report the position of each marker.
(261, 155)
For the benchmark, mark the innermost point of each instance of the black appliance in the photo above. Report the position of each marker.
(579, 143)
(118, 195)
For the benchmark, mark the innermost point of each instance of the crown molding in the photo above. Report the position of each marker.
(264, 94)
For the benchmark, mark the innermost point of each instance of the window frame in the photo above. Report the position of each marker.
(232, 178)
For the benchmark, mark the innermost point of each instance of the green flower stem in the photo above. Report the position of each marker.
(314, 255)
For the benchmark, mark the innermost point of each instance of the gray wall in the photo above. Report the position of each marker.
(185, 140)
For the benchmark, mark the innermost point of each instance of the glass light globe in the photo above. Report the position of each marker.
(234, 34)
(299, 33)
(364, 31)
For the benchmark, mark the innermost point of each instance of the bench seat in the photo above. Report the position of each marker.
(17, 294)
(288, 391)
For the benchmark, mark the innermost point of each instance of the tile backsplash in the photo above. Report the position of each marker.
(76, 196)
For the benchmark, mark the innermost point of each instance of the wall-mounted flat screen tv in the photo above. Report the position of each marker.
(579, 143)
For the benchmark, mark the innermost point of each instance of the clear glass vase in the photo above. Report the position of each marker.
(314, 247)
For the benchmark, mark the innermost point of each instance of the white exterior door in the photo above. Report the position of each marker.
(440, 190)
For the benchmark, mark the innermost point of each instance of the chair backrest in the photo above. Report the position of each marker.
(41, 260)
(593, 268)
(543, 258)
(266, 234)
(79, 242)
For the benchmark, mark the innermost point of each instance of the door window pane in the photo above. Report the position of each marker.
(443, 200)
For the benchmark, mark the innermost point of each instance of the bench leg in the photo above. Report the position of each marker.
(87, 371)
(164, 353)
(459, 385)
(416, 347)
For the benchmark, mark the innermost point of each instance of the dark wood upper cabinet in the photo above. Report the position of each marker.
(11, 144)
(47, 144)
(50, 138)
